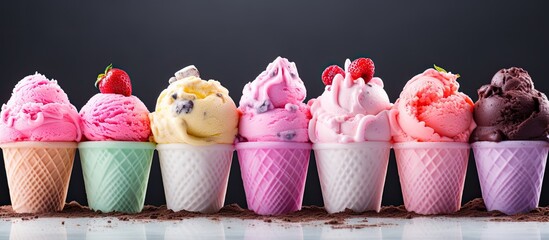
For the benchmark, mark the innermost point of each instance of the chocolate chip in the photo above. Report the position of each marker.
(263, 107)
(287, 135)
(274, 73)
(291, 107)
(185, 106)
(240, 138)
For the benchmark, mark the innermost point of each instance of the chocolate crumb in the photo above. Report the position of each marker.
(62, 222)
(474, 208)
(109, 221)
(334, 222)
(361, 226)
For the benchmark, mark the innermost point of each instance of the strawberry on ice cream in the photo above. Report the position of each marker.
(272, 106)
(39, 110)
(353, 108)
(430, 109)
(114, 114)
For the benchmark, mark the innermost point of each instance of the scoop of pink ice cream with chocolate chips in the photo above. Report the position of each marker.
(272, 106)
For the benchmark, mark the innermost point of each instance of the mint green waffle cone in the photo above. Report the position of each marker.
(116, 174)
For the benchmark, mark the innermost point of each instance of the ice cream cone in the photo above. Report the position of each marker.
(511, 174)
(432, 175)
(195, 177)
(352, 175)
(38, 174)
(274, 175)
(116, 174)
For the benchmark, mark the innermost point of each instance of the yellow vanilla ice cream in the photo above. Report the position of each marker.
(194, 111)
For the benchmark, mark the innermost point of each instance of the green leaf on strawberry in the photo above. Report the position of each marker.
(100, 76)
(442, 70)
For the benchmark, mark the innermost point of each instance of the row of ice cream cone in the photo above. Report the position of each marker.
(351, 127)
(352, 176)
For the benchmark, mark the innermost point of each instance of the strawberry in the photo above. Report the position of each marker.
(330, 72)
(114, 80)
(362, 68)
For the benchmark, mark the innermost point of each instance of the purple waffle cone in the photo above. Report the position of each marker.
(511, 174)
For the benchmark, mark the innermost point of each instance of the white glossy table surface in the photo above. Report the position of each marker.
(229, 228)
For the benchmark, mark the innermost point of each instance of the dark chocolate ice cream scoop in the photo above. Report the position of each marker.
(511, 109)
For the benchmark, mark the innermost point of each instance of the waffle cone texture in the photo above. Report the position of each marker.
(274, 175)
(352, 175)
(432, 175)
(195, 177)
(116, 174)
(38, 174)
(511, 174)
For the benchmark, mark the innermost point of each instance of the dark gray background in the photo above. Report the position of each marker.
(233, 41)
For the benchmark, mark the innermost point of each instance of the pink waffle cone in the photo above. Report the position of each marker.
(432, 175)
(511, 174)
(38, 174)
(274, 175)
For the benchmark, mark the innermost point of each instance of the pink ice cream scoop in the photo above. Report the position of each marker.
(350, 110)
(115, 117)
(430, 109)
(272, 106)
(39, 110)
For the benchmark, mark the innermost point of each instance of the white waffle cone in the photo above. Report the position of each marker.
(195, 177)
(352, 175)
(38, 174)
